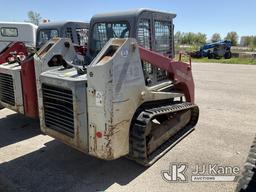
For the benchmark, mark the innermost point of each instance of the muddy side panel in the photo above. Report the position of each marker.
(29, 88)
(62, 107)
(55, 47)
(115, 83)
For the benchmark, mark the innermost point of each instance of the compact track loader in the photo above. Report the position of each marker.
(17, 76)
(131, 100)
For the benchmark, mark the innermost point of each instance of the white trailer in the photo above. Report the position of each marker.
(17, 31)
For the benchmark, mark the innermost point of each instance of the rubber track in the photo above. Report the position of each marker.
(247, 183)
(138, 146)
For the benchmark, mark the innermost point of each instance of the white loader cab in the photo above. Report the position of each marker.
(17, 31)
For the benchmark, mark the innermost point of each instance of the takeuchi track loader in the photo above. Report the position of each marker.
(18, 90)
(131, 100)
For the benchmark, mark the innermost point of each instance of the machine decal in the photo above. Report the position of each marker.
(125, 52)
(99, 99)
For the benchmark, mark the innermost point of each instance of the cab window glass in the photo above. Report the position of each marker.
(163, 36)
(69, 33)
(45, 35)
(144, 33)
(102, 32)
(82, 36)
(9, 32)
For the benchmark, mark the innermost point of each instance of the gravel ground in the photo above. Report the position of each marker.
(30, 161)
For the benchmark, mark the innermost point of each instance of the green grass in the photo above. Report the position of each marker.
(191, 48)
(245, 61)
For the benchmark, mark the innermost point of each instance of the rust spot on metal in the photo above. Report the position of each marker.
(134, 46)
(108, 152)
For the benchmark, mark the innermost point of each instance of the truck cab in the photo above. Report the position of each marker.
(17, 31)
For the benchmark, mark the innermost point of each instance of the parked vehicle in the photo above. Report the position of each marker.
(17, 77)
(75, 30)
(214, 50)
(129, 101)
(15, 40)
(17, 31)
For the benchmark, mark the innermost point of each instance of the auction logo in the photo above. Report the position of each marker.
(178, 172)
(175, 173)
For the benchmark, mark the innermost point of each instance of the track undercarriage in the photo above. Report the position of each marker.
(155, 130)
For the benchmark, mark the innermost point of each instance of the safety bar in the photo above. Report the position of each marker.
(182, 53)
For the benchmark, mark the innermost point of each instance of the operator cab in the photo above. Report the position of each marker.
(152, 29)
(76, 31)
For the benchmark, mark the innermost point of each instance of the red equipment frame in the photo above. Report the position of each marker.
(28, 83)
(179, 72)
(15, 47)
(28, 80)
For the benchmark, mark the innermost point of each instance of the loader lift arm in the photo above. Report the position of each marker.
(18, 47)
(179, 72)
(155, 130)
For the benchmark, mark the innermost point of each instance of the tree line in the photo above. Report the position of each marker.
(34, 17)
(248, 41)
(190, 38)
(201, 38)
